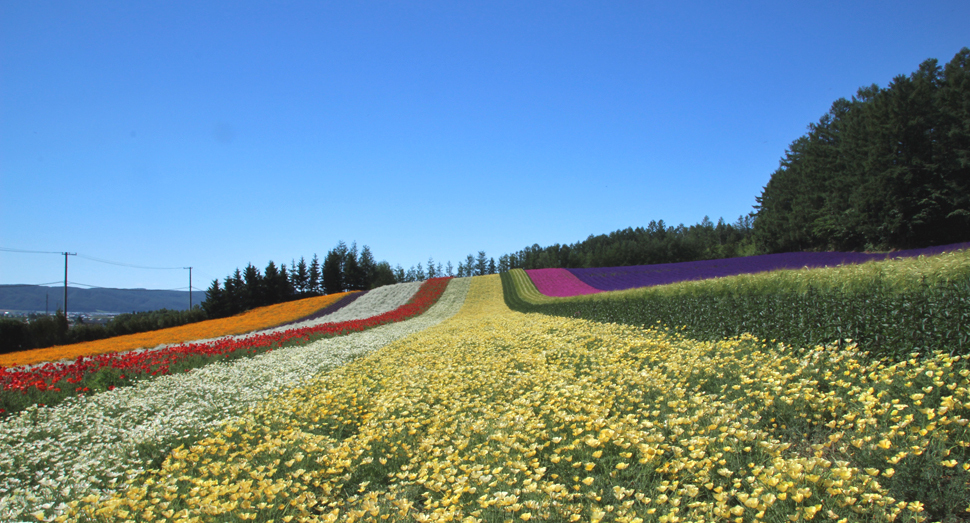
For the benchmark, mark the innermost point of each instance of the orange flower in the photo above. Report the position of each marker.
(256, 319)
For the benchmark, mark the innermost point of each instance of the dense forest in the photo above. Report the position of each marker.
(889, 169)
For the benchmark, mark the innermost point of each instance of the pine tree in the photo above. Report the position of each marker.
(449, 270)
(253, 293)
(368, 268)
(491, 265)
(481, 265)
(469, 265)
(353, 274)
(419, 273)
(301, 278)
(315, 281)
(431, 268)
(333, 270)
(271, 292)
(214, 304)
(383, 275)
(503, 263)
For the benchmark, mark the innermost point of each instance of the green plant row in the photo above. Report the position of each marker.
(891, 309)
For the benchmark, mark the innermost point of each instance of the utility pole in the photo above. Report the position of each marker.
(66, 254)
(190, 286)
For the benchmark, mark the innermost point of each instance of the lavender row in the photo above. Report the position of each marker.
(619, 278)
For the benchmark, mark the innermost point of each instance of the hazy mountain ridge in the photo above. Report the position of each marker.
(34, 298)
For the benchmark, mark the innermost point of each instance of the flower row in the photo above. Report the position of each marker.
(259, 318)
(89, 445)
(133, 365)
(573, 282)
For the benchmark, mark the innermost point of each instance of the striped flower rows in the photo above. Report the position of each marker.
(52, 383)
(92, 445)
(502, 416)
(372, 303)
(259, 318)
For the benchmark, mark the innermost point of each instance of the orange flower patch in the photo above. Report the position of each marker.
(256, 319)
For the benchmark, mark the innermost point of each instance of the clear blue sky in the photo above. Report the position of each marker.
(214, 134)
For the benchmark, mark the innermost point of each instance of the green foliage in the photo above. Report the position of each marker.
(889, 169)
(890, 309)
(655, 243)
(333, 269)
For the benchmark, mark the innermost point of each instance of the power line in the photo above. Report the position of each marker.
(29, 252)
(32, 284)
(122, 264)
(129, 264)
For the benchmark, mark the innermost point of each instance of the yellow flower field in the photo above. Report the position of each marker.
(255, 319)
(501, 416)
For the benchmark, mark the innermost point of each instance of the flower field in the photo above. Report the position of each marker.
(890, 308)
(260, 318)
(496, 415)
(54, 382)
(619, 278)
(91, 445)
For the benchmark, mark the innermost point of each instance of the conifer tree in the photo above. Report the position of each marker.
(353, 274)
(491, 266)
(431, 268)
(383, 275)
(449, 269)
(333, 270)
(481, 265)
(315, 281)
(253, 296)
(368, 268)
(214, 303)
(300, 278)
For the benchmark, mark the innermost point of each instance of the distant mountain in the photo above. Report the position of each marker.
(33, 298)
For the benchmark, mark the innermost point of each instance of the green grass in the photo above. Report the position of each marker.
(891, 309)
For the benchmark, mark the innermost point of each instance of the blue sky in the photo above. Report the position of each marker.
(215, 134)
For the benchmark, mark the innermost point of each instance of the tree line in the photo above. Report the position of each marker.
(655, 243)
(888, 169)
(344, 268)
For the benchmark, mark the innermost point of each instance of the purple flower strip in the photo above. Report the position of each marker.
(619, 278)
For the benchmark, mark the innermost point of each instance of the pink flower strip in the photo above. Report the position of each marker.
(559, 283)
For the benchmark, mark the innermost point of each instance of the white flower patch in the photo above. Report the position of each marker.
(375, 302)
(90, 445)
